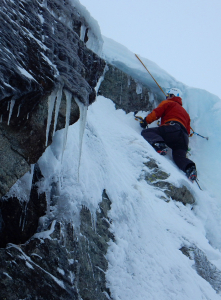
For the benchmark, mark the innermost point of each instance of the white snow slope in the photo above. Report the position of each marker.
(145, 261)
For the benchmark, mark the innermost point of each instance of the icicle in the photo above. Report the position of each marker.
(82, 34)
(101, 79)
(8, 105)
(58, 102)
(51, 101)
(83, 117)
(68, 96)
(1, 119)
(128, 82)
(27, 116)
(138, 88)
(24, 216)
(18, 110)
(11, 109)
(151, 96)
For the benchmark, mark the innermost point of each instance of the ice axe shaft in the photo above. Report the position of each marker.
(204, 137)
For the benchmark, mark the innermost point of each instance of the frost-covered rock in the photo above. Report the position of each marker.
(20, 219)
(61, 262)
(203, 266)
(42, 52)
(160, 179)
(126, 92)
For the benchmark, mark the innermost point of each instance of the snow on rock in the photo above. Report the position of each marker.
(94, 38)
(47, 56)
(143, 250)
(145, 257)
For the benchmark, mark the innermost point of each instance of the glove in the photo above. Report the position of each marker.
(143, 123)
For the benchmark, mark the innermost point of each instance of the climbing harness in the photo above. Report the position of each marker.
(150, 74)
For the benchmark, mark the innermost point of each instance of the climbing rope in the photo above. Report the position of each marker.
(150, 74)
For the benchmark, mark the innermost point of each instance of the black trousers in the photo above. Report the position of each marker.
(175, 137)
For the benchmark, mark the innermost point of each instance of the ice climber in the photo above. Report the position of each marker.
(173, 131)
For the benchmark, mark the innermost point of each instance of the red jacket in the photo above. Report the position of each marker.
(170, 110)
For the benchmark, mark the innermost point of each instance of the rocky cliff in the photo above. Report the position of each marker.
(42, 54)
(47, 72)
(126, 92)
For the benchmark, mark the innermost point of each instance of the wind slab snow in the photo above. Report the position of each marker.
(145, 261)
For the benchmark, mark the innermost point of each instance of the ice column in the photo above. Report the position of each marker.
(51, 101)
(151, 97)
(18, 110)
(139, 88)
(68, 96)
(83, 117)
(10, 110)
(82, 33)
(101, 79)
(57, 106)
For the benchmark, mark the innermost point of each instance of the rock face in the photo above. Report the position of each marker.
(42, 53)
(19, 220)
(61, 262)
(203, 266)
(46, 74)
(158, 178)
(126, 92)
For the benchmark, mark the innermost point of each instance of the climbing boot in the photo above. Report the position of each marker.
(161, 148)
(191, 173)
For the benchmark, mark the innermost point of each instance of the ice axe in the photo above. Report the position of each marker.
(137, 118)
(193, 132)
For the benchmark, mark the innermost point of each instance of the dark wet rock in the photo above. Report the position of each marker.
(126, 92)
(19, 219)
(32, 271)
(203, 266)
(42, 51)
(158, 178)
(93, 245)
(61, 262)
(41, 47)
